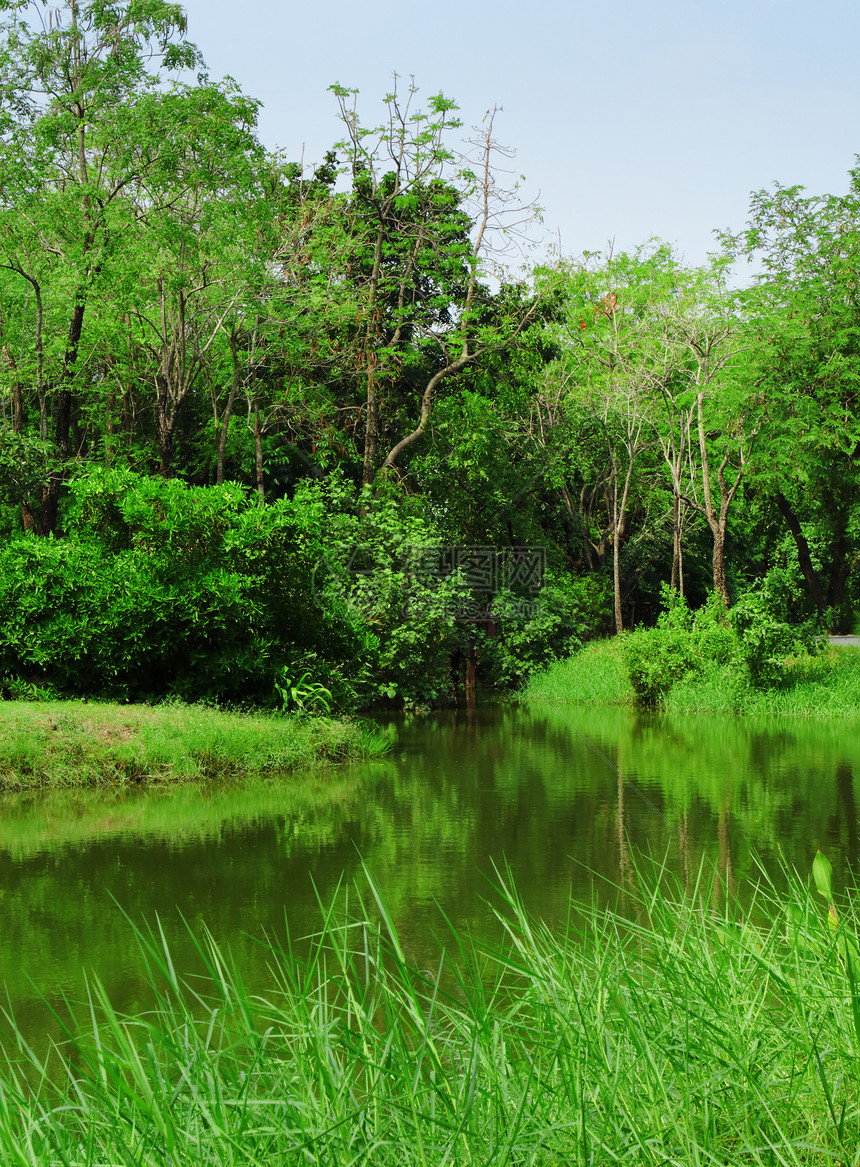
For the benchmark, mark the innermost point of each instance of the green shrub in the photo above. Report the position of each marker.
(716, 639)
(656, 658)
(163, 588)
(381, 577)
(534, 631)
(767, 641)
(26, 463)
(749, 644)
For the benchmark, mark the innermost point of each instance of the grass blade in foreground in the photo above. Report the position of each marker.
(674, 1033)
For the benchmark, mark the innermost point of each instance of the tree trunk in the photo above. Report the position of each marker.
(717, 524)
(64, 397)
(371, 428)
(166, 420)
(806, 566)
(679, 514)
(683, 515)
(258, 452)
(63, 421)
(841, 566)
(677, 572)
(619, 522)
(18, 412)
(426, 405)
(371, 421)
(49, 503)
(719, 560)
(225, 421)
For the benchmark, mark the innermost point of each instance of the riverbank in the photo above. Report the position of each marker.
(76, 743)
(824, 685)
(672, 1028)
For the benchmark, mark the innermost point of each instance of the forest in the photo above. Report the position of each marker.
(320, 430)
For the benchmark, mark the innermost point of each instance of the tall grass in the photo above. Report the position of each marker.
(70, 743)
(596, 675)
(825, 685)
(667, 1031)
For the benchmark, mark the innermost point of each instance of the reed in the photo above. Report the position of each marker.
(670, 1030)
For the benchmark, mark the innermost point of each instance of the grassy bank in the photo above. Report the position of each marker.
(70, 743)
(824, 685)
(596, 675)
(672, 1032)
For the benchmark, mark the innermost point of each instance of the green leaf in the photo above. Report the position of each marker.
(822, 873)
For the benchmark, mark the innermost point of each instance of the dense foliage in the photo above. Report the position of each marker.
(264, 423)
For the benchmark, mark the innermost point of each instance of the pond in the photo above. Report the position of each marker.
(564, 798)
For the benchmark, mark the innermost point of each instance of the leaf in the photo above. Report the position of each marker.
(822, 873)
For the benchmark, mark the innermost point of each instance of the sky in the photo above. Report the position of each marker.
(630, 120)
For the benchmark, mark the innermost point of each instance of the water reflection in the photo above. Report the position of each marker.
(845, 818)
(561, 797)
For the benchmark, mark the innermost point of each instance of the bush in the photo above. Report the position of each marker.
(163, 588)
(767, 641)
(532, 632)
(656, 658)
(750, 642)
(382, 577)
(716, 638)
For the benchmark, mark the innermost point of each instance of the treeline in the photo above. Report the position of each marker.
(201, 341)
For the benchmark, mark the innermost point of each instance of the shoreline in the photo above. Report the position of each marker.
(76, 743)
(825, 686)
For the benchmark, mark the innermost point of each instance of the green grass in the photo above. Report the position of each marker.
(595, 675)
(824, 685)
(667, 1031)
(68, 743)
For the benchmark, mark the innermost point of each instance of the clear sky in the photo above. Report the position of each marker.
(629, 119)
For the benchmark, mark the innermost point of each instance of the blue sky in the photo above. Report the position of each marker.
(629, 119)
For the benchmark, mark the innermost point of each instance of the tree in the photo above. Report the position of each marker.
(616, 357)
(802, 315)
(726, 431)
(202, 248)
(76, 140)
(412, 272)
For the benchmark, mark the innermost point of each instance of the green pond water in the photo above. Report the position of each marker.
(564, 797)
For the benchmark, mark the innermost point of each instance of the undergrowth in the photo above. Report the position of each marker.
(596, 675)
(744, 660)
